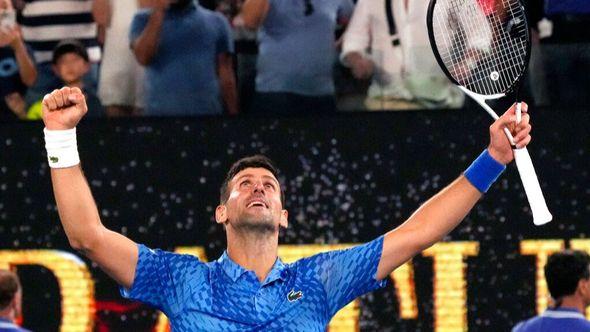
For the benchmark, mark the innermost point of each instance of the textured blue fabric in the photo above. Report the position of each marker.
(297, 52)
(553, 320)
(181, 78)
(223, 296)
(484, 171)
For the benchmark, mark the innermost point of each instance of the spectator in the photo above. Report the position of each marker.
(46, 23)
(70, 64)
(246, 48)
(17, 70)
(186, 50)
(565, 48)
(10, 302)
(568, 279)
(389, 43)
(121, 76)
(296, 53)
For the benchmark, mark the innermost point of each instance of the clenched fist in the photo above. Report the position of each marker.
(63, 108)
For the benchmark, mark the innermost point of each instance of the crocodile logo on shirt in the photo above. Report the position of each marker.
(54, 159)
(294, 296)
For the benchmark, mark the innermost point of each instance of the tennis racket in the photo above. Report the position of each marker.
(483, 46)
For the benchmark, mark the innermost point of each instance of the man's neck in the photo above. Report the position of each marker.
(573, 302)
(254, 252)
(7, 314)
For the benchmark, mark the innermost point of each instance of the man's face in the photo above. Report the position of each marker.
(71, 67)
(254, 202)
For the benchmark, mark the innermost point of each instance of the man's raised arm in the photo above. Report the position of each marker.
(443, 212)
(114, 253)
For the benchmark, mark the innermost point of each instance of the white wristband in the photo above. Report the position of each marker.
(62, 148)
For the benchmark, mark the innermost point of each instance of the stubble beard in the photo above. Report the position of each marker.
(256, 224)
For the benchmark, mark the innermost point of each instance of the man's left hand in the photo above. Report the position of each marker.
(500, 148)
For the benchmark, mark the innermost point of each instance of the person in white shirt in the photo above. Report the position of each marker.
(395, 52)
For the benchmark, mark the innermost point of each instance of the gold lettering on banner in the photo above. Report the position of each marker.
(199, 252)
(584, 245)
(450, 285)
(450, 288)
(405, 289)
(75, 283)
(542, 249)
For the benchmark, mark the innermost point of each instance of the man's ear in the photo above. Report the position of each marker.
(284, 221)
(583, 287)
(221, 214)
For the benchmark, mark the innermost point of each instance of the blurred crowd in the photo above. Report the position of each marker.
(182, 57)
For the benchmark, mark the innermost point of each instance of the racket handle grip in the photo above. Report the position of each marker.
(541, 214)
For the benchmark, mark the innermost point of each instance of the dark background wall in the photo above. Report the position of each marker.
(348, 178)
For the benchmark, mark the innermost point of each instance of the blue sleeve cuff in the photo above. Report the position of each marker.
(484, 171)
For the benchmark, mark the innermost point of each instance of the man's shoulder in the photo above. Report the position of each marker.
(163, 255)
(548, 323)
(525, 325)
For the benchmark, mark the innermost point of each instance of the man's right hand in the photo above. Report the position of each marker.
(63, 108)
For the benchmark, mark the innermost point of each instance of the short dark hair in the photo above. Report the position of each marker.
(69, 46)
(9, 286)
(256, 161)
(564, 270)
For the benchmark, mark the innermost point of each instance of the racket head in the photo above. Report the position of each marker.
(481, 45)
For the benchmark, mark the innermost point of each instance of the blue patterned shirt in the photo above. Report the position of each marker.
(223, 296)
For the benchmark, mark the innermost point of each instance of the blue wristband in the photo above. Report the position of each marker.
(484, 171)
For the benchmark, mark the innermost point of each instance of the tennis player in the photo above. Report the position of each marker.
(248, 287)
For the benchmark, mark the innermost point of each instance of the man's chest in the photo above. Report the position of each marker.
(295, 305)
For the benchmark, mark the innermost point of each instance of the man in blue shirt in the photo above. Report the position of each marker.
(186, 50)
(10, 302)
(568, 278)
(297, 52)
(249, 288)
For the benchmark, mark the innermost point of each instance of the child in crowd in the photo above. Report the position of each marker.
(70, 63)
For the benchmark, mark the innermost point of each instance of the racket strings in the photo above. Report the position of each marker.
(483, 44)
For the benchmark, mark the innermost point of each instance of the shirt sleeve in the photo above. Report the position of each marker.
(225, 42)
(161, 279)
(348, 274)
